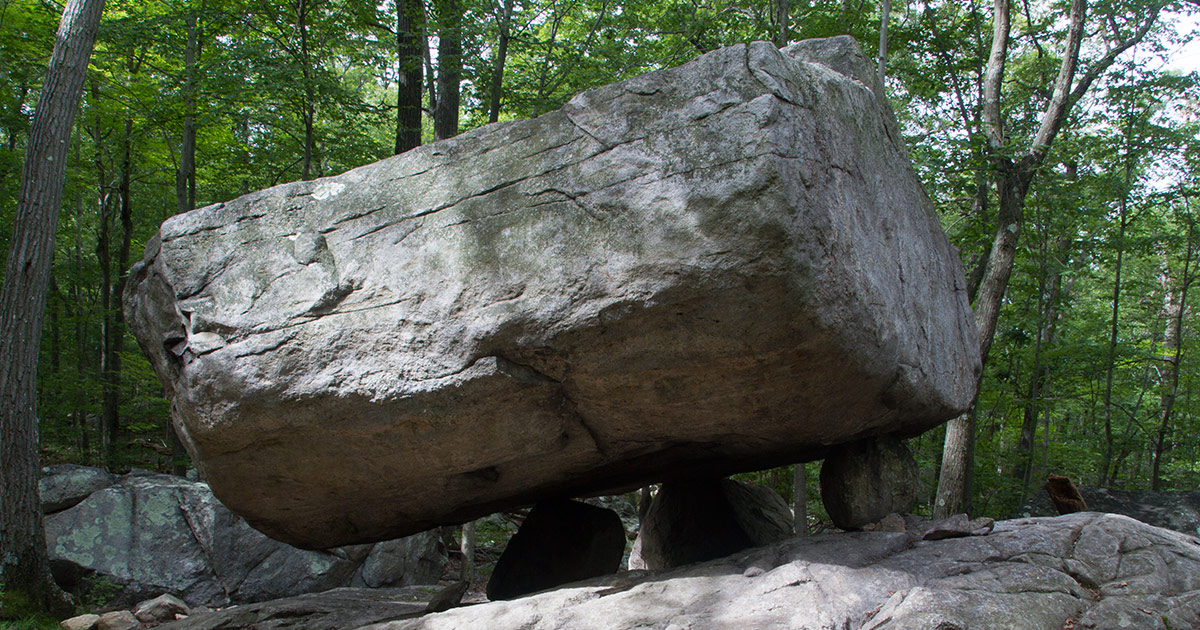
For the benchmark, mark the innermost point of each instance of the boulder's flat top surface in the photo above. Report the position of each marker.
(724, 266)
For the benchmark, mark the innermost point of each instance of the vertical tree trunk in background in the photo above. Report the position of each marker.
(445, 114)
(1013, 174)
(782, 18)
(411, 46)
(308, 108)
(884, 18)
(83, 441)
(1048, 299)
(1173, 347)
(501, 57)
(800, 498)
(109, 420)
(467, 547)
(185, 175)
(1123, 217)
(24, 562)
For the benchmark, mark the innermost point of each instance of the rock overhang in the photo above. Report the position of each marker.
(722, 266)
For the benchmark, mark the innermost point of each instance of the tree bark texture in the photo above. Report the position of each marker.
(501, 57)
(411, 45)
(23, 557)
(1173, 343)
(445, 114)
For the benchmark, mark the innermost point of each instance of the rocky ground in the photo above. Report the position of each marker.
(1085, 570)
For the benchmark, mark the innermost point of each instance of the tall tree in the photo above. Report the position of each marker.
(1011, 172)
(1176, 308)
(24, 563)
(496, 90)
(411, 47)
(449, 75)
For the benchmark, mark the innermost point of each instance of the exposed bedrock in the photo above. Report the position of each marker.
(723, 266)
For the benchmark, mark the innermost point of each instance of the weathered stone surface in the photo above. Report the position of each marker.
(695, 521)
(80, 622)
(64, 485)
(118, 620)
(1083, 570)
(559, 542)
(338, 609)
(162, 608)
(723, 266)
(152, 533)
(865, 481)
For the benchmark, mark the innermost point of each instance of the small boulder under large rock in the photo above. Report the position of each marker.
(151, 533)
(694, 521)
(559, 542)
(864, 481)
(724, 266)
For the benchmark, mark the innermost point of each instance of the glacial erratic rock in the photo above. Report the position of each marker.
(723, 266)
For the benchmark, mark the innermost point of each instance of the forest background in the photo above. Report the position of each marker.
(1090, 372)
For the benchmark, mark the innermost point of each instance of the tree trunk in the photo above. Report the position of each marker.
(1174, 345)
(445, 115)
(109, 422)
(185, 176)
(308, 108)
(800, 498)
(1048, 298)
(467, 546)
(24, 563)
(501, 58)
(1114, 320)
(1013, 175)
(411, 46)
(884, 18)
(782, 18)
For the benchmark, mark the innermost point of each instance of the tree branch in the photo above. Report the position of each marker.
(994, 76)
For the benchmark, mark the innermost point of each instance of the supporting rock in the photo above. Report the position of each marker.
(559, 542)
(695, 521)
(864, 481)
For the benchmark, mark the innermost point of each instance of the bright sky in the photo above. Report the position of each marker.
(1186, 58)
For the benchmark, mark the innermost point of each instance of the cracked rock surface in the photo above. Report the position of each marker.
(151, 533)
(724, 266)
(1084, 570)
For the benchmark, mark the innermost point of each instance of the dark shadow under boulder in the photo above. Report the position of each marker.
(694, 521)
(559, 542)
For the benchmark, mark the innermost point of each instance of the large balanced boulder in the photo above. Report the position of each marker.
(723, 266)
(150, 533)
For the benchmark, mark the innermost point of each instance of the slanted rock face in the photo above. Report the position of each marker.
(723, 266)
